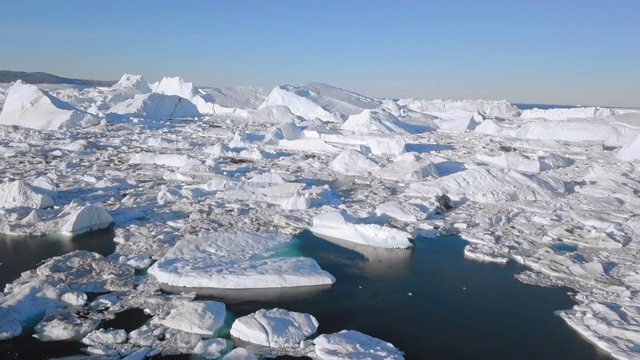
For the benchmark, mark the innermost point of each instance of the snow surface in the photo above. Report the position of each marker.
(205, 183)
(28, 106)
(222, 260)
(335, 225)
(276, 328)
(353, 345)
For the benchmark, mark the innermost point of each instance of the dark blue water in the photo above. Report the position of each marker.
(22, 253)
(457, 309)
(430, 302)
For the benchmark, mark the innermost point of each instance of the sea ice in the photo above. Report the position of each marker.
(212, 348)
(61, 324)
(203, 318)
(354, 345)
(336, 225)
(240, 354)
(275, 328)
(222, 260)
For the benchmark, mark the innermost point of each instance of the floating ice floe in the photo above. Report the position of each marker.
(240, 354)
(335, 225)
(212, 348)
(222, 260)
(275, 328)
(203, 318)
(353, 345)
(73, 219)
(407, 167)
(28, 106)
(61, 324)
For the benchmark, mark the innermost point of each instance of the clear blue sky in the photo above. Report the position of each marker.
(579, 52)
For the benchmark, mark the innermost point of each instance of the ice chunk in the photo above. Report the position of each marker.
(175, 160)
(466, 122)
(275, 328)
(401, 210)
(61, 324)
(564, 114)
(137, 82)
(407, 167)
(489, 185)
(335, 225)
(319, 101)
(372, 121)
(354, 345)
(630, 151)
(87, 271)
(352, 162)
(455, 109)
(240, 354)
(156, 106)
(74, 298)
(20, 193)
(28, 106)
(174, 86)
(105, 336)
(212, 348)
(25, 301)
(203, 318)
(379, 144)
(273, 114)
(88, 218)
(222, 260)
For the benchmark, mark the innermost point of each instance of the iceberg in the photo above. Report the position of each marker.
(335, 225)
(156, 106)
(275, 328)
(20, 193)
(353, 345)
(203, 318)
(28, 106)
(223, 260)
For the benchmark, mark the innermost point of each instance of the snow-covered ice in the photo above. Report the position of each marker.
(336, 225)
(351, 344)
(223, 260)
(275, 328)
(205, 182)
(203, 318)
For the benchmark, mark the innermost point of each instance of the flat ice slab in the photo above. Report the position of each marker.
(202, 318)
(354, 345)
(335, 225)
(276, 328)
(222, 260)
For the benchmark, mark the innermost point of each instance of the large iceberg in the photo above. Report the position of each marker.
(222, 260)
(335, 225)
(319, 101)
(28, 106)
(275, 328)
(156, 106)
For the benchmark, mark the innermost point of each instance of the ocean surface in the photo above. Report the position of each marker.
(429, 301)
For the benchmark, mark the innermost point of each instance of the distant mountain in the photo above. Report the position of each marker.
(7, 76)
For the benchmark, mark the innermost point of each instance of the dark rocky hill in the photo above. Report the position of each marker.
(7, 76)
